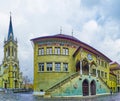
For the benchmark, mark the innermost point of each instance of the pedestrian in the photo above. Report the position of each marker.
(111, 91)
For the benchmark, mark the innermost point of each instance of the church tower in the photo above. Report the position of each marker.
(11, 75)
(10, 46)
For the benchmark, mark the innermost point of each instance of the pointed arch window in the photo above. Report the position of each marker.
(6, 51)
(9, 51)
(12, 51)
(15, 52)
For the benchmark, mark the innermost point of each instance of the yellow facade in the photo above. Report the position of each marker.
(115, 68)
(53, 53)
(113, 82)
(10, 75)
(46, 77)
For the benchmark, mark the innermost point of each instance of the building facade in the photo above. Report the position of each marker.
(65, 66)
(115, 68)
(10, 75)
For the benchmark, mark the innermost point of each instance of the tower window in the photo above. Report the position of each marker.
(12, 51)
(8, 51)
(15, 52)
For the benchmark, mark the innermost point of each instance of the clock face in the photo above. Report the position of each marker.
(89, 56)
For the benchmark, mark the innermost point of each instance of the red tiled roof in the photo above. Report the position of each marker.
(71, 38)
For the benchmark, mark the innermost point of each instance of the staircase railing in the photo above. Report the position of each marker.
(103, 82)
(67, 79)
(62, 82)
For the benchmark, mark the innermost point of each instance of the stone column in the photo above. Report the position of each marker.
(89, 70)
(96, 72)
(89, 89)
(80, 67)
(19, 85)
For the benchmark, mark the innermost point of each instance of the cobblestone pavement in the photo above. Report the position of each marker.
(30, 97)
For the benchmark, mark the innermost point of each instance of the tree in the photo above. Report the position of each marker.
(26, 81)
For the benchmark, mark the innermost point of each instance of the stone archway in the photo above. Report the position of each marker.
(85, 87)
(93, 87)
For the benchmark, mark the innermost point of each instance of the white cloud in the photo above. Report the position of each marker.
(89, 31)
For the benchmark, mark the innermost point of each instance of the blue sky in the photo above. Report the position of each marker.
(95, 22)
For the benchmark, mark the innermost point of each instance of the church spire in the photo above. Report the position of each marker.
(10, 31)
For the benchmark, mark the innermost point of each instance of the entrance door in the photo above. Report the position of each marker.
(93, 88)
(118, 89)
(5, 85)
(15, 83)
(85, 86)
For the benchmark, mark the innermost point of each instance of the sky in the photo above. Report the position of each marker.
(95, 22)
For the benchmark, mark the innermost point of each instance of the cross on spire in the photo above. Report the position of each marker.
(72, 32)
(60, 29)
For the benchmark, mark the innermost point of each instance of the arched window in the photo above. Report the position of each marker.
(9, 51)
(6, 51)
(12, 51)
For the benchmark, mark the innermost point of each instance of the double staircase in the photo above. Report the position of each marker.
(70, 78)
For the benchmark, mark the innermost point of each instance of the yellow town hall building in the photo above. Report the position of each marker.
(64, 66)
(10, 75)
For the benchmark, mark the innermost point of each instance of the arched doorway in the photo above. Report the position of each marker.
(93, 87)
(15, 83)
(85, 87)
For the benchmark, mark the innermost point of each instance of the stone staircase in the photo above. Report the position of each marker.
(62, 82)
(71, 80)
(104, 82)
